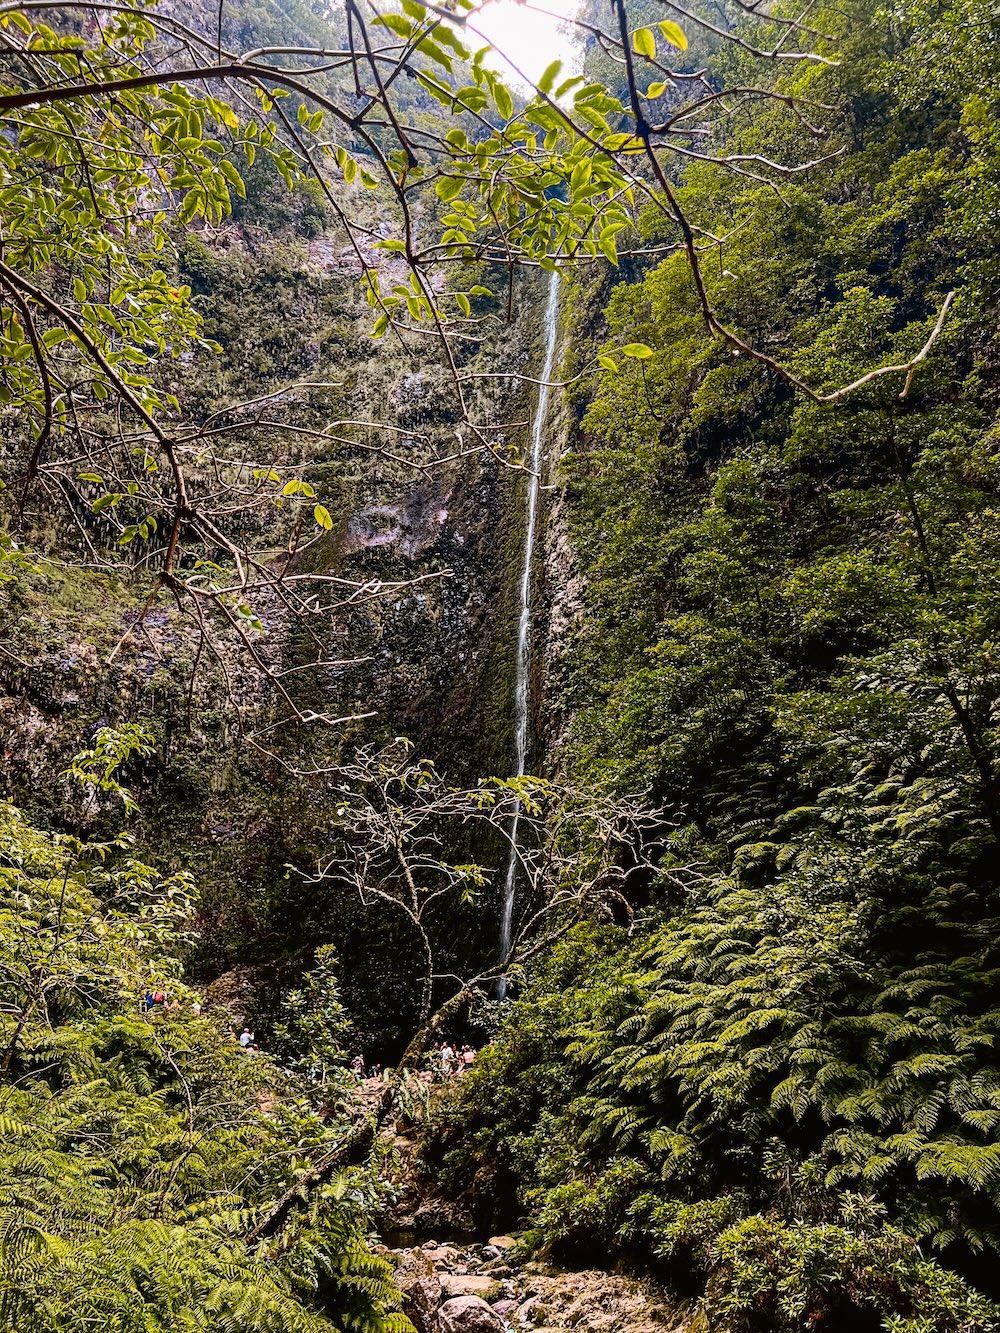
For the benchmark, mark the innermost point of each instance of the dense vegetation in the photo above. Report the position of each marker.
(781, 1086)
(763, 1066)
(143, 1155)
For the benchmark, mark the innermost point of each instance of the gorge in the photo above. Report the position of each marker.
(499, 557)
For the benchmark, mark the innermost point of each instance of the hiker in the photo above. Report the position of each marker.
(358, 1067)
(468, 1056)
(196, 1008)
(246, 1038)
(148, 1001)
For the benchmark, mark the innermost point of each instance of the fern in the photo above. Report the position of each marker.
(134, 1157)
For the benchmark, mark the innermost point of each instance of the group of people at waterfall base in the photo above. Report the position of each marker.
(441, 1062)
(447, 1061)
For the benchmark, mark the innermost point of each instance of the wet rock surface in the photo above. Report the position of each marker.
(473, 1288)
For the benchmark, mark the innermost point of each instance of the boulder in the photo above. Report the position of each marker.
(469, 1314)
(447, 1257)
(530, 1310)
(420, 1303)
(421, 1289)
(597, 1302)
(410, 1264)
(502, 1242)
(470, 1284)
(496, 1268)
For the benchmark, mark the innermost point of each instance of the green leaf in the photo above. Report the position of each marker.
(607, 362)
(448, 38)
(395, 23)
(637, 351)
(547, 81)
(674, 34)
(233, 177)
(654, 91)
(503, 99)
(192, 204)
(644, 42)
(428, 48)
(322, 516)
(623, 143)
(606, 241)
(463, 303)
(448, 188)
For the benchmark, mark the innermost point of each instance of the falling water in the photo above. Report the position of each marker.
(522, 667)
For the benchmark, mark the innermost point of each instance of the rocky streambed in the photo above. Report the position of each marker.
(485, 1288)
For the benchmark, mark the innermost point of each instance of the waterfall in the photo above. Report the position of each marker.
(522, 668)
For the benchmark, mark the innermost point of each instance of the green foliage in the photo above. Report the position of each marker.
(784, 1091)
(140, 1150)
(779, 1277)
(703, 1099)
(96, 769)
(314, 1028)
(121, 307)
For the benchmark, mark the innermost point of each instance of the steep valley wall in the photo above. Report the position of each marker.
(432, 660)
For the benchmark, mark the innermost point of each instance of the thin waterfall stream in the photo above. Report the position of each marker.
(522, 667)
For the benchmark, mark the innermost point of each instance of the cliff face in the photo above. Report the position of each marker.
(561, 580)
(425, 643)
